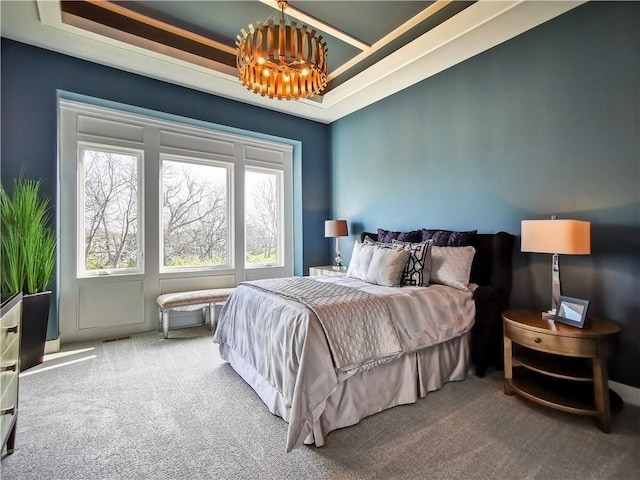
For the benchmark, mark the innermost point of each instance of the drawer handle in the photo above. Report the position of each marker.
(12, 329)
(537, 339)
(10, 367)
(8, 411)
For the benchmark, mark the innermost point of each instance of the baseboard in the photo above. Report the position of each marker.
(628, 393)
(52, 346)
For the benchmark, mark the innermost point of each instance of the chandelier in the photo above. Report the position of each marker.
(281, 60)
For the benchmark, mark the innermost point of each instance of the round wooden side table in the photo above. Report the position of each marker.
(560, 366)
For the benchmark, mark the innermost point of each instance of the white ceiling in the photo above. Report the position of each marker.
(475, 29)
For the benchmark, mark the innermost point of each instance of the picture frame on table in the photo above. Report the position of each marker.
(572, 311)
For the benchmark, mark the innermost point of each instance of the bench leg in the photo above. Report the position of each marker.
(165, 323)
(212, 316)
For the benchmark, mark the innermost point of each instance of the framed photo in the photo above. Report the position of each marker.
(572, 311)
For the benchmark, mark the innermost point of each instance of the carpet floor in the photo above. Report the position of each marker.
(148, 408)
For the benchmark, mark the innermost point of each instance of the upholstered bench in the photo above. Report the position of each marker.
(194, 300)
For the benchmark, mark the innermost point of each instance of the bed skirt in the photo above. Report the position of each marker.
(400, 382)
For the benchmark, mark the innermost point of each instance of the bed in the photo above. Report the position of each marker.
(304, 346)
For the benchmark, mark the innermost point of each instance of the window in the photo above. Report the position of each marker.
(167, 202)
(149, 205)
(109, 216)
(263, 217)
(195, 213)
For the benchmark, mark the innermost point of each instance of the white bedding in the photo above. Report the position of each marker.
(280, 343)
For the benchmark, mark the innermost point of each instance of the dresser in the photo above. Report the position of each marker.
(560, 366)
(10, 328)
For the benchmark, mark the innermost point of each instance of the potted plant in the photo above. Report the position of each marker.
(27, 260)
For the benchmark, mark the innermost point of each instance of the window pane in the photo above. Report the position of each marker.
(110, 210)
(195, 218)
(262, 220)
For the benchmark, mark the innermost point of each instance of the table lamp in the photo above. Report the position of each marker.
(558, 237)
(337, 229)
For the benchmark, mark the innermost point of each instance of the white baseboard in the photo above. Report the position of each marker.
(628, 393)
(52, 346)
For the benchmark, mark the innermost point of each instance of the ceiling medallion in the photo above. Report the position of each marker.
(282, 60)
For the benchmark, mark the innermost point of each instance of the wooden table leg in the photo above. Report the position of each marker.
(508, 366)
(601, 393)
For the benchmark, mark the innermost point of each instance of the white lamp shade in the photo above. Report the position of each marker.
(335, 228)
(564, 237)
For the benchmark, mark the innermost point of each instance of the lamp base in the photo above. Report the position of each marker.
(550, 316)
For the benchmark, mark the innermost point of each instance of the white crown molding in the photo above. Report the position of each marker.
(479, 27)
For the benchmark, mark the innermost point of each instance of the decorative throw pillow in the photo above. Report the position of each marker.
(360, 260)
(417, 271)
(448, 238)
(387, 236)
(370, 241)
(452, 266)
(387, 265)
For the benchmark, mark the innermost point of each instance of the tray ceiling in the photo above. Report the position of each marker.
(375, 48)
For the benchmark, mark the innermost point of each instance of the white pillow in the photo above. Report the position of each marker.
(360, 260)
(387, 265)
(452, 266)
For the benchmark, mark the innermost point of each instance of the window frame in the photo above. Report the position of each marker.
(126, 128)
(81, 260)
(280, 192)
(230, 211)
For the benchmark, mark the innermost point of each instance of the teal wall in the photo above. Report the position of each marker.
(33, 77)
(547, 123)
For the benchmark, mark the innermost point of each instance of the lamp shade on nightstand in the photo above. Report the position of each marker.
(335, 228)
(564, 237)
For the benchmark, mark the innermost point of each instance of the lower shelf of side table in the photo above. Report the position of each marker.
(566, 395)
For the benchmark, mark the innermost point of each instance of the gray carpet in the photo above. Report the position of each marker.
(147, 408)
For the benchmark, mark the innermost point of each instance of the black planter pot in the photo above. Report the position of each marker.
(35, 316)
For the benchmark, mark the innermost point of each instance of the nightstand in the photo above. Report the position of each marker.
(560, 366)
(327, 270)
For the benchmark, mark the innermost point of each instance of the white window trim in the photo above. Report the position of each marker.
(229, 167)
(82, 272)
(281, 218)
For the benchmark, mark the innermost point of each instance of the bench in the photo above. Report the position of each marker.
(193, 300)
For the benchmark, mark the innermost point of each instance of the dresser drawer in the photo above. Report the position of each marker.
(8, 405)
(9, 364)
(9, 328)
(561, 345)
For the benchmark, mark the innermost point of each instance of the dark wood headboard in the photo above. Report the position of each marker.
(492, 271)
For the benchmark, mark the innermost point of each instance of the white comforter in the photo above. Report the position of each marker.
(285, 344)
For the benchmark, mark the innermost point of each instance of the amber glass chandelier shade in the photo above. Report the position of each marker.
(280, 60)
